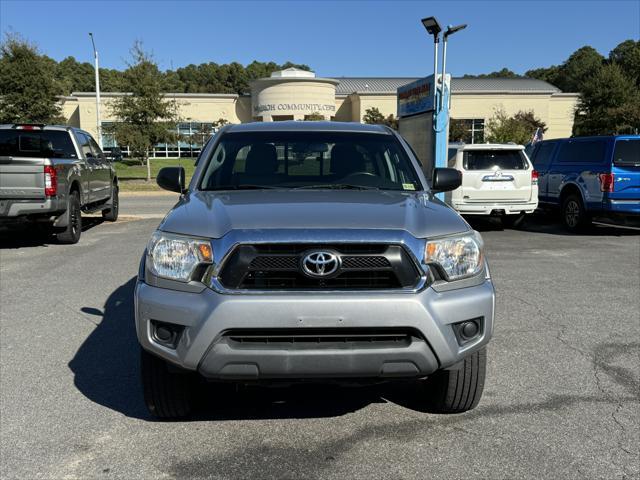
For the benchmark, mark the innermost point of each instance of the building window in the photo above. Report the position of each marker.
(193, 135)
(467, 130)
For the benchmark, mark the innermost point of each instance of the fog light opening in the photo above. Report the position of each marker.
(468, 330)
(166, 334)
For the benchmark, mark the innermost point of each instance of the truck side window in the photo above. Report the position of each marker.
(542, 155)
(96, 148)
(85, 145)
(582, 151)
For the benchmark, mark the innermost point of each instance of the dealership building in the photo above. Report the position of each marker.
(294, 94)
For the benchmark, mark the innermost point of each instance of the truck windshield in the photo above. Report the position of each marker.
(627, 152)
(494, 160)
(36, 143)
(307, 160)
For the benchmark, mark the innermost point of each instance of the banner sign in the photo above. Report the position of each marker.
(415, 97)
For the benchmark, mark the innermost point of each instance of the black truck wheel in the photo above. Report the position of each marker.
(71, 234)
(111, 214)
(167, 394)
(574, 215)
(457, 391)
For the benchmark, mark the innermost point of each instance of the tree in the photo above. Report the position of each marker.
(519, 128)
(504, 73)
(458, 132)
(206, 130)
(314, 117)
(583, 64)
(145, 116)
(610, 103)
(373, 116)
(28, 90)
(627, 56)
(549, 74)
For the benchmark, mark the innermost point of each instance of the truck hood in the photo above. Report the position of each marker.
(214, 214)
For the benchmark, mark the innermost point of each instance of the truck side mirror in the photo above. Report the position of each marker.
(445, 179)
(171, 178)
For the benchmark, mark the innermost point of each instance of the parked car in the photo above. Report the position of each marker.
(52, 174)
(497, 180)
(114, 154)
(591, 179)
(312, 251)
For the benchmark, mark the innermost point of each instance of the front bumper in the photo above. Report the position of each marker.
(209, 316)
(490, 208)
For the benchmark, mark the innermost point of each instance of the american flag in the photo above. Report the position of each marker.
(537, 136)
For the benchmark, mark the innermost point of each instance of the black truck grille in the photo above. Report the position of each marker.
(279, 267)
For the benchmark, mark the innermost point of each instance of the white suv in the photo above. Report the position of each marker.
(497, 180)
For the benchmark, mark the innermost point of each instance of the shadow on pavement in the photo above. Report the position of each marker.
(31, 235)
(105, 366)
(546, 223)
(106, 371)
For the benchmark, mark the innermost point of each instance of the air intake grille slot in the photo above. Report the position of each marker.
(320, 339)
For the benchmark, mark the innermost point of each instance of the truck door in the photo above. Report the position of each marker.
(102, 172)
(91, 172)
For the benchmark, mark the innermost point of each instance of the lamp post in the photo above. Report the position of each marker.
(98, 122)
(433, 28)
(450, 31)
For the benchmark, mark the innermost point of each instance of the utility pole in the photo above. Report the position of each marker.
(98, 122)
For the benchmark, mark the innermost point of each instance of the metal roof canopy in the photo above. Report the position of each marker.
(389, 85)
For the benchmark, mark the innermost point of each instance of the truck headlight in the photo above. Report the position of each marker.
(175, 256)
(457, 257)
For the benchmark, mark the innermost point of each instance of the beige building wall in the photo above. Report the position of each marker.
(562, 108)
(387, 104)
(555, 110)
(80, 108)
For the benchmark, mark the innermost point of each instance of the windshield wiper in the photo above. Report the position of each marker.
(242, 186)
(337, 186)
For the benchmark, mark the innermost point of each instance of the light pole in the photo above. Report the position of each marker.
(98, 122)
(450, 31)
(433, 28)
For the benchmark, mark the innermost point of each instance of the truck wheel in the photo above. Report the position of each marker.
(167, 394)
(457, 391)
(71, 234)
(574, 216)
(111, 214)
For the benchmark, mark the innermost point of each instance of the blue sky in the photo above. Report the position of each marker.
(336, 38)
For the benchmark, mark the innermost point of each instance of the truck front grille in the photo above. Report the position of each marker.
(314, 339)
(279, 267)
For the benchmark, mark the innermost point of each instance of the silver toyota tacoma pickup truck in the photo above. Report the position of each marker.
(52, 174)
(308, 251)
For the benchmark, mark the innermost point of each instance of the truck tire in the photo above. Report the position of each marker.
(167, 394)
(71, 234)
(457, 391)
(111, 214)
(574, 215)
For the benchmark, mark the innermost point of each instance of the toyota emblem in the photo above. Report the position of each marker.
(320, 264)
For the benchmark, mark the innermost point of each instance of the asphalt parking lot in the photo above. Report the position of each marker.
(561, 399)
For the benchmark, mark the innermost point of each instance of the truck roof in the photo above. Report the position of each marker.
(486, 146)
(297, 126)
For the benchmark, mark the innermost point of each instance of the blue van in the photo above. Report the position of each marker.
(590, 179)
